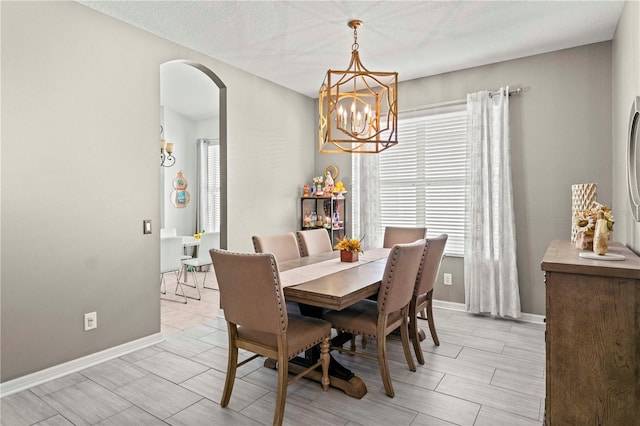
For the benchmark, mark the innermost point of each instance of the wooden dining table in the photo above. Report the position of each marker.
(323, 282)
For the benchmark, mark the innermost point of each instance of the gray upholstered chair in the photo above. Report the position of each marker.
(400, 235)
(282, 246)
(314, 241)
(257, 321)
(422, 299)
(395, 235)
(377, 319)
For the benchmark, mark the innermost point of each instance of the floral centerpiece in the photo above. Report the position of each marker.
(585, 221)
(349, 249)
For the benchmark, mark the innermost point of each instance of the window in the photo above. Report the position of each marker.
(213, 187)
(422, 179)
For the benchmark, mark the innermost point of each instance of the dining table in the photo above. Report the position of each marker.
(321, 282)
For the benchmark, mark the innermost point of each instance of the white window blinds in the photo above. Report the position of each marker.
(213, 187)
(422, 179)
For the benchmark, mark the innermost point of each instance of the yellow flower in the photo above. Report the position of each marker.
(352, 245)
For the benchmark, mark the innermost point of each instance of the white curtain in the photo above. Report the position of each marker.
(365, 197)
(202, 211)
(490, 271)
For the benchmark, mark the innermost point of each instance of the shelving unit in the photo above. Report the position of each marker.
(316, 210)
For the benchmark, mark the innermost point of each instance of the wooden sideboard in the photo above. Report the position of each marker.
(593, 337)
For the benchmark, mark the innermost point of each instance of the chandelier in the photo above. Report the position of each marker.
(358, 108)
(166, 151)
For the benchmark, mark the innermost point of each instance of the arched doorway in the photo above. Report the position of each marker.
(193, 116)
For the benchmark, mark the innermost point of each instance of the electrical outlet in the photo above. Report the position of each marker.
(447, 279)
(90, 321)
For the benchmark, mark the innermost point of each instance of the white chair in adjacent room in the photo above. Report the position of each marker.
(170, 261)
(208, 240)
(167, 232)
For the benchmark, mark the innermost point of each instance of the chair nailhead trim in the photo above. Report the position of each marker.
(387, 283)
(276, 279)
(311, 345)
(373, 336)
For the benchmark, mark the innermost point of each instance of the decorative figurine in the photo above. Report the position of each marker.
(306, 191)
(328, 184)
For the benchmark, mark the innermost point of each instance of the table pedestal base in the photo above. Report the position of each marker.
(353, 387)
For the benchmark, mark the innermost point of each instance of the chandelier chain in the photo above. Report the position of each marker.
(355, 44)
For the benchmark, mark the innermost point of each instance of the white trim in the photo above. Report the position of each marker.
(452, 306)
(534, 318)
(461, 307)
(42, 376)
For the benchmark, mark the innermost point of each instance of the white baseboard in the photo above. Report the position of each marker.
(34, 379)
(452, 306)
(461, 307)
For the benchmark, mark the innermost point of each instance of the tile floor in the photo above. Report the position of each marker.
(486, 372)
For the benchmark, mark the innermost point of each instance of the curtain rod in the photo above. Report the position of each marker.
(492, 93)
(515, 91)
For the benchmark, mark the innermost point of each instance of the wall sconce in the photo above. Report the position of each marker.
(166, 151)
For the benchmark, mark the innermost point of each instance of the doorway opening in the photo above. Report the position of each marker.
(193, 191)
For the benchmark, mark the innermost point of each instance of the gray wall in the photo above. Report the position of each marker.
(560, 135)
(79, 166)
(626, 86)
(80, 171)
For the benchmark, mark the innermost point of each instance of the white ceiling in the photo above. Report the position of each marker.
(294, 43)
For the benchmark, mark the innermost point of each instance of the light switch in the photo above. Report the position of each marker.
(146, 226)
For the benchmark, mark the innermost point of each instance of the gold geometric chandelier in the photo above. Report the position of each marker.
(358, 108)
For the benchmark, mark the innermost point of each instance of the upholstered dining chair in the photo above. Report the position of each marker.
(208, 240)
(376, 319)
(400, 235)
(282, 246)
(422, 299)
(257, 321)
(314, 241)
(170, 261)
(394, 235)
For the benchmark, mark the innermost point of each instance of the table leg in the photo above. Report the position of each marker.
(340, 376)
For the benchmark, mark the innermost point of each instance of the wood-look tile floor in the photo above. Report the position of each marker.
(485, 372)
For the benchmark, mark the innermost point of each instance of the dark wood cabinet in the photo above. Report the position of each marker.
(592, 338)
